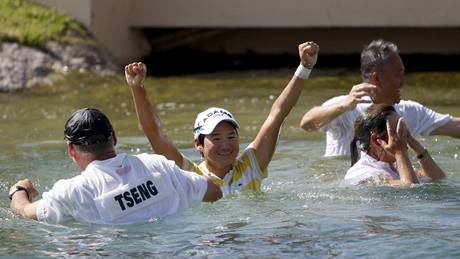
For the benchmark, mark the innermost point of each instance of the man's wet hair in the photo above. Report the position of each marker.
(375, 55)
(89, 130)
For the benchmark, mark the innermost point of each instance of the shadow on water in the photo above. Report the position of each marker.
(304, 209)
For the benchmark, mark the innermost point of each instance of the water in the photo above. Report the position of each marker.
(303, 211)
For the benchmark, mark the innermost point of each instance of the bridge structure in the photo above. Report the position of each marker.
(130, 29)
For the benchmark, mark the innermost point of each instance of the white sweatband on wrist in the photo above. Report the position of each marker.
(302, 72)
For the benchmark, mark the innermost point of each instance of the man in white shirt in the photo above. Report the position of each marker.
(112, 188)
(382, 71)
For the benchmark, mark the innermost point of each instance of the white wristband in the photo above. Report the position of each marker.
(302, 72)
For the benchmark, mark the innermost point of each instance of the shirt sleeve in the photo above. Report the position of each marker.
(338, 126)
(250, 155)
(339, 131)
(55, 205)
(420, 119)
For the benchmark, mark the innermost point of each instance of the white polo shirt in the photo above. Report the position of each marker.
(368, 168)
(122, 190)
(339, 132)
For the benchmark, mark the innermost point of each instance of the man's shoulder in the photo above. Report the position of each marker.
(73, 185)
(156, 162)
(148, 157)
(410, 107)
(408, 103)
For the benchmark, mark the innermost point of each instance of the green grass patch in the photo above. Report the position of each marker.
(33, 24)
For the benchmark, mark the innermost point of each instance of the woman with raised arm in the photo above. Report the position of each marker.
(383, 139)
(216, 131)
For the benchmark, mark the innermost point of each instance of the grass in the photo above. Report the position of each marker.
(32, 24)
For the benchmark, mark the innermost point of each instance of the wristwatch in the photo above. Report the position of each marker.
(15, 188)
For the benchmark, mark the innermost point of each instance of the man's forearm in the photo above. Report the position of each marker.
(319, 116)
(451, 128)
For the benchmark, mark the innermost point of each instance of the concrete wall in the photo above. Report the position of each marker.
(81, 9)
(110, 22)
(272, 26)
(296, 13)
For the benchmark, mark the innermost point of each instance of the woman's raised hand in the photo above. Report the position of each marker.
(397, 137)
(135, 74)
(308, 53)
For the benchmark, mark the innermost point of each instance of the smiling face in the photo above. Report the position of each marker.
(389, 80)
(220, 148)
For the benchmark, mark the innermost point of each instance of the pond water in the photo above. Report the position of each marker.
(303, 211)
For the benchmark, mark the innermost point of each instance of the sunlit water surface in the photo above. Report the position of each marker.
(304, 209)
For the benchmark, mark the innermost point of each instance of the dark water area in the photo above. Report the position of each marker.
(184, 61)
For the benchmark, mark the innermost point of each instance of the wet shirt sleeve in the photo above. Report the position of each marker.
(420, 119)
(56, 205)
(248, 160)
(339, 131)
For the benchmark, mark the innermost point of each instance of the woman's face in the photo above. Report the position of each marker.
(221, 147)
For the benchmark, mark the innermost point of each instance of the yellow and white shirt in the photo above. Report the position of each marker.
(245, 175)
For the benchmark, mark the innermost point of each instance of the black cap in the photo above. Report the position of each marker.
(88, 126)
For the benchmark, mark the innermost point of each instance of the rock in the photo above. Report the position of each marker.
(20, 65)
(87, 58)
(24, 66)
